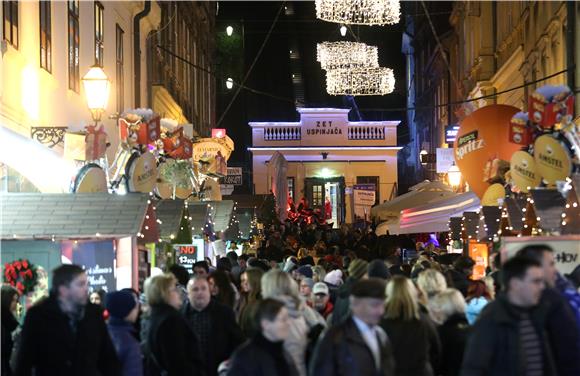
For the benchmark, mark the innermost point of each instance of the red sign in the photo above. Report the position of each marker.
(218, 133)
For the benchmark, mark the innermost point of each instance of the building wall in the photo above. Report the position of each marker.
(504, 44)
(30, 96)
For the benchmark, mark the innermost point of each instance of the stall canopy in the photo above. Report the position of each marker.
(71, 216)
(170, 212)
(419, 194)
(435, 216)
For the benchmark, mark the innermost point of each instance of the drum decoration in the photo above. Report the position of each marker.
(175, 179)
(91, 178)
(523, 172)
(141, 172)
(552, 159)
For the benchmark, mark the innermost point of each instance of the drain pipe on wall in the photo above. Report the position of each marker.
(137, 50)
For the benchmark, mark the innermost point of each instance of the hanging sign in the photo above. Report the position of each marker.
(552, 159)
(363, 198)
(188, 254)
(451, 133)
(523, 171)
(444, 160)
(233, 177)
(142, 173)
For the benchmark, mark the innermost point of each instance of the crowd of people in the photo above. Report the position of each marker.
(309, 301)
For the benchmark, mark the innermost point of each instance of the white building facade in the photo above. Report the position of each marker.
(327, 156)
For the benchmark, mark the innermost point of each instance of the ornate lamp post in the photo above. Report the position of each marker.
(97, 87)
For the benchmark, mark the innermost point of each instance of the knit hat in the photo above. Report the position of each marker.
(378, 269)
(369, 288)
(334, 277)
(309, 282)
(120, 303)
(357, 268)
(305, 271)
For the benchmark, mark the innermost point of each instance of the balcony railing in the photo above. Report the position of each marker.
(282, 133)
(366, 132)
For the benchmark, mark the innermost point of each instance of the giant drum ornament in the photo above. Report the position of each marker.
(482, 145)
(524, 172)
(141, 173)
(553, 160)
(91, 178)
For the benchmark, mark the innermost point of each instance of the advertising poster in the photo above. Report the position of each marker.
(364, 199)
(566, 249)
(188, 254)
(98, 259)
(479, 252)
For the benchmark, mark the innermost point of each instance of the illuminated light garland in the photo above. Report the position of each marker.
(360, 81)
(359, 12)
(335, 55)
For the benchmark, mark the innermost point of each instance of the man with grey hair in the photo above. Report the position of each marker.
(214, 323)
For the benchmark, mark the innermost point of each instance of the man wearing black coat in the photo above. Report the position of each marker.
(358, 346)
(214, 323)
(64, 334)
(458, 275)
(508, 339)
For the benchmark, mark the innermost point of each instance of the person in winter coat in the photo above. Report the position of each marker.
(264, 354)
(356, 270)
(123, 311)
(251, 294)
(458, 275)
(357, 346)
(305, 323)
(448, 307)
(214, 323)
(416, 344)
(172, 347)
(509, 338)
(477, 298)
(65, 334)
(9, 325)
(561, 324)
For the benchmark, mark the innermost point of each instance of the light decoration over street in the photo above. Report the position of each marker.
(360, 81)
(359, 12)
(334, 55)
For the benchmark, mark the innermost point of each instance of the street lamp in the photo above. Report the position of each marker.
(454, 176)
(97, 87)
(229, 83)
(343, 30)
(422, 154)
(229, 31)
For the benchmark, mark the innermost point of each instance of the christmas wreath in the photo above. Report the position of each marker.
(21, 274)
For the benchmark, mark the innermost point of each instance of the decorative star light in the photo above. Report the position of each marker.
(359, 12)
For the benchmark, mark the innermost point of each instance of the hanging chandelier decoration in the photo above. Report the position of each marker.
(336, 55)
(359, 12)
(360, 81)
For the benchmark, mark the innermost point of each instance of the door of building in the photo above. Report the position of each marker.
(318, 189)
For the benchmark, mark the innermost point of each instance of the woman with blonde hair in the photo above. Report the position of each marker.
(449, 308)
(280, 286)
(432, 282)
(414, 339)
(318, 273)
(168, 332)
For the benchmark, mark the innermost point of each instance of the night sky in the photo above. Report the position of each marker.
(272, 72)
